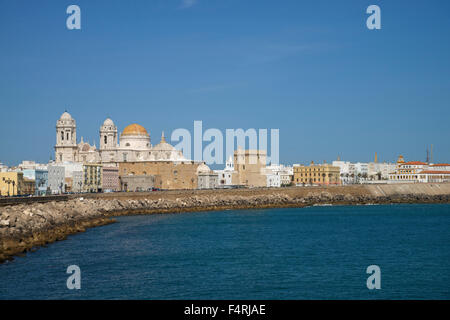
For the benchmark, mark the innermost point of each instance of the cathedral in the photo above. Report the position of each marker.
(133, 145)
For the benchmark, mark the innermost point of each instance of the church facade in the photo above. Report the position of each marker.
(132, 145)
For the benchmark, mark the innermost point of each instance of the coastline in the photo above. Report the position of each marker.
(26, 227)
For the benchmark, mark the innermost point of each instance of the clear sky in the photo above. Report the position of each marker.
(310, 68)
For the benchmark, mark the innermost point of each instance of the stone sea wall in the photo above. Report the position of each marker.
(25, 227)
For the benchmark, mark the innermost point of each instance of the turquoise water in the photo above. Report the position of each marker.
(307, 253)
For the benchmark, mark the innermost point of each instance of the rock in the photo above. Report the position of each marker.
(4, 223)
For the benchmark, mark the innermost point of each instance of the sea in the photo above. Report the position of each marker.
(399, 251)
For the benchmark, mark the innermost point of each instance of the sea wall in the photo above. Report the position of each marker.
(25, 227)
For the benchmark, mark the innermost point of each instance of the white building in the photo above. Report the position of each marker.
(77, 181)
(225, 175)
(278, 175)
(380, 171)
(56, 179)
(132, 145)
(273, 180)
(362, 169)
(347, 171)
(440, 167)
(3, 167)
(70, 168)
(31, 165)
(426, 176)
(407, 172)
(207, 179)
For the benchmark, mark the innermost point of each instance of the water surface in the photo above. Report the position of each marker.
(304, 253)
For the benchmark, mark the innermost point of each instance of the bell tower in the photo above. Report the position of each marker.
(66, 138)
(108, 135)
(108, 141)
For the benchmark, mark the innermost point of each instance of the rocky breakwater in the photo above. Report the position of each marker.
(25, 227)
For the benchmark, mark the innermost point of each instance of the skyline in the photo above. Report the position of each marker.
(312, 70)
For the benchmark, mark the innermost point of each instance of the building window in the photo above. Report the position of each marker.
(106, 139)
(62, 135)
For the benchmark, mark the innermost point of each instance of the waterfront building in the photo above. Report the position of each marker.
(29, 186)
(168, 174)
(31, 165)
(380, 171)
(419, 172)
(207, 179)
(70, 168)
(278, 175)
(407, 172)
(361, 172)
(3, 167)
(66, 139)
(347, 171)
(77, 181)
(56, 179)
(273, 180)
(426, 176)
(136, 183)
(110, 179)
(11, 183)
(225, 176)
(133, 145)
(248, 166)
(40, 178)
(440, 167)
(316, 174)
(92, 177)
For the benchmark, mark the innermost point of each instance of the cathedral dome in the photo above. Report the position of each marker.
(66, 116)
(108, 122)
(203, 168)
(163, 145)
(134, 130)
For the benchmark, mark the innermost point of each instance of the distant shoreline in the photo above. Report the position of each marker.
(26, 227)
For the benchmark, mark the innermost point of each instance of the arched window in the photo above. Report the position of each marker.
(106, 139)
(67, 136)
(62, 135)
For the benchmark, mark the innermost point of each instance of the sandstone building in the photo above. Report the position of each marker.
(248, 167)
(168, 174)
(316, 174)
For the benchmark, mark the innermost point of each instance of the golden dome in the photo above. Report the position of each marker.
(134, 130)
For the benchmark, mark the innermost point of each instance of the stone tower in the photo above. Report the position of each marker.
(108, 142)
(66, 138)
(108, 135)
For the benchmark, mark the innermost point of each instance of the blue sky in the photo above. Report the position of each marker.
(310, 68)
